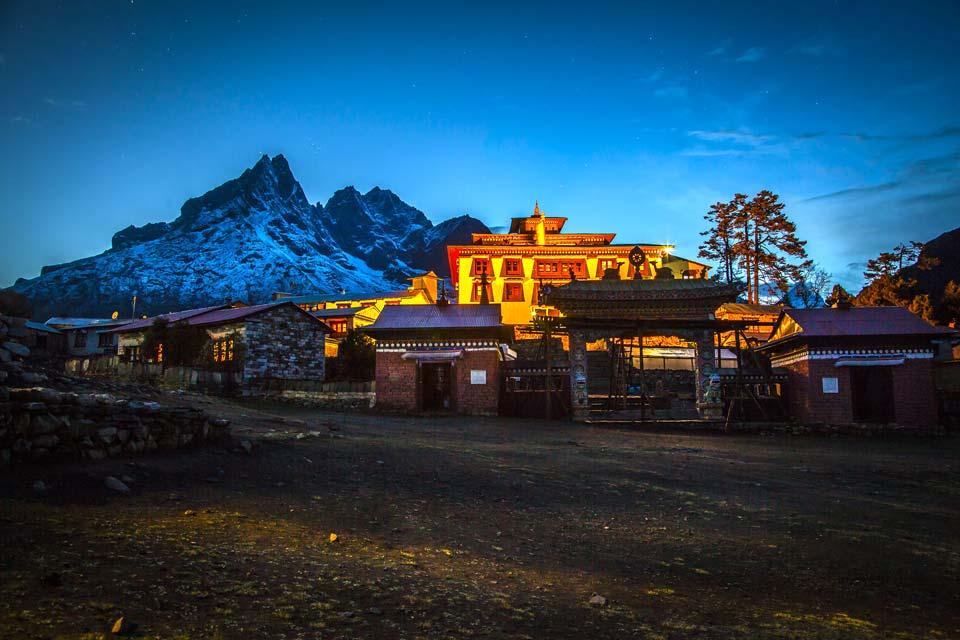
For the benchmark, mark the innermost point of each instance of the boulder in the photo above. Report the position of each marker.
(107, 434)
(115, 484)
(32, 377)
(48, 441)
(5, 356)
(17, 349)
(43, 423)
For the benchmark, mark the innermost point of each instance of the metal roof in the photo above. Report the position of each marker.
(348, 295)
(336, 313)
(80, 323)
(213, 316)
(39, 326)
(432, 316)
(856, 321)
(172, 317)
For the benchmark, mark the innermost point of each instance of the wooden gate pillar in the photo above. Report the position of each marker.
(579, 395)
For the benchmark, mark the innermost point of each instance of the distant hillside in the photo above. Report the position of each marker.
(244, 240)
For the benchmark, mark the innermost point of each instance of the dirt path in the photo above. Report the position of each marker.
(489, 529)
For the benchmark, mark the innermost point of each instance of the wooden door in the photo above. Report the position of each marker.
(871, 391)
(436, 386)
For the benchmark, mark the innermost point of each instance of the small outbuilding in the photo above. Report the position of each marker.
(857, 365)
(439, 357)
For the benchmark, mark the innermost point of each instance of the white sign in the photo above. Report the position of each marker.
(478, 376)
(831, 385)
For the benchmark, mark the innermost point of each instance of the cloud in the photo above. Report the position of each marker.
(950, 131)
(65, 103)
(816, 49)
(671, 91)
(738, 136)
(20, 120)
(856, 191)
(753, 54)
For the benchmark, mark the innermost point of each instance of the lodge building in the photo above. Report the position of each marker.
(535, 252)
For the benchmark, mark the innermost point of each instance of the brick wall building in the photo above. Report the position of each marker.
(439, 358)
(857, 365)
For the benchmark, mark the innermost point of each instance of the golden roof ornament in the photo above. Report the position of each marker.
(536, 209)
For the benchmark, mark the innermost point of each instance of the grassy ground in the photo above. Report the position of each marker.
(468, 528)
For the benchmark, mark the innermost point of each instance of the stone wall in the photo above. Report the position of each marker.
(283, 343)
(334, 400)
(38, 423)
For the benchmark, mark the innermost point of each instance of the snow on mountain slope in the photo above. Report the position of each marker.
(244, 240)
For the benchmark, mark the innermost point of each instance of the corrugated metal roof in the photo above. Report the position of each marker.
(431, 316)
(336, 313)
(348, 295)
(861, 321)
(79, 323)
(211, 316)
(171, 318)
(39, 326)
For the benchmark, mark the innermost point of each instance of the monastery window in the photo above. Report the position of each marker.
(512, 267)
(223, 350)
(548, 268)
(80, 339)
(343, 305)
(159, 355)
(338, 326)
(475, 296)
(691, 274)
(481, 266)
(513, 292)
(605, 263)
(105, 340)
(392, 303)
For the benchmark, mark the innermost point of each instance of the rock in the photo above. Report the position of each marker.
(5, 356)
(39, 486)
(34, 407)
(123, 627)
(43, 423)
(107, 434)
(48, 441)
(31, 377)
(375, 611)
(52, 579)
(247, 446)
(219, 422)
(96, 454)
(16, 349)
(116, 485)
(3, 376)
(189, 512)
(127, 479)
(597, 600)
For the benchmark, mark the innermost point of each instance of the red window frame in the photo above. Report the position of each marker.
(480, 266)
(513, 292)
(475, 293)
(512, 267)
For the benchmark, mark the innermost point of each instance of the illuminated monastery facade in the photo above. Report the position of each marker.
(536, 252)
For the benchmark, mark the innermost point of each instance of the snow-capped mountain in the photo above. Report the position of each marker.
(246, 239)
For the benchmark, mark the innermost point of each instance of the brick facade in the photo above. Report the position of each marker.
(399, 382)
(914, 394)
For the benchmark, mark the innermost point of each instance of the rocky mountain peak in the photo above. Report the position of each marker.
(245, 239)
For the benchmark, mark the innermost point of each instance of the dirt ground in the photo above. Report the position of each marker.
(486, 528)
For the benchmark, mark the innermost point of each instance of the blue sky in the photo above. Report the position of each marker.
(631, 119)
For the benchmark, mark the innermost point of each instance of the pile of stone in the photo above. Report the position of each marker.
(12, 333)
(38, 422)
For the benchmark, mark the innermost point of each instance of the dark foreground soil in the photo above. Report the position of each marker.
(469, 528)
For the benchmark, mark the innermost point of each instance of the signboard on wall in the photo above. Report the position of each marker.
(478, 376)
(831, 385)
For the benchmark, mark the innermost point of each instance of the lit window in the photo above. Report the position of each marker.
(475, 297)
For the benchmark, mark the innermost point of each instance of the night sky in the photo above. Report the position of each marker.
(631, 120)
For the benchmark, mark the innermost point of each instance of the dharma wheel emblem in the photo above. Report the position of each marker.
(637, 258)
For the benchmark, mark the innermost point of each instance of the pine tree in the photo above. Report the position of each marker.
(720, 238)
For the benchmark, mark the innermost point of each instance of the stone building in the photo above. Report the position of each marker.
(88, 337)
(857, 365)
(267, 342)
(439, 357)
